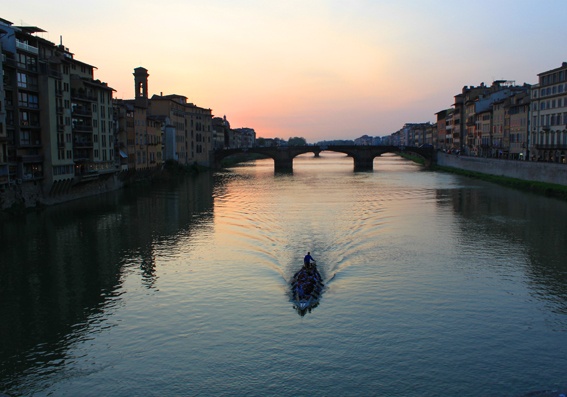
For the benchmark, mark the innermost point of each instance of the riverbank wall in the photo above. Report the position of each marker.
(552, 173)
(20, 197)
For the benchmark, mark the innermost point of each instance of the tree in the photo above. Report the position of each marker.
(297, 141)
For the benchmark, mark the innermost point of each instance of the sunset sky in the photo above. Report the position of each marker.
(319, 69)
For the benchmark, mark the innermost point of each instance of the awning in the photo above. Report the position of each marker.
(123, 155)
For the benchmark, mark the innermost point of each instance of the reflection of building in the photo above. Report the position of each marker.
(548, 141)
(57, 125)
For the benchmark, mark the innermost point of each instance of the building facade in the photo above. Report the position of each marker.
(548, 138)
(58, 120)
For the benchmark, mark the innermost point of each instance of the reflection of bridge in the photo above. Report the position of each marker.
(363, 156)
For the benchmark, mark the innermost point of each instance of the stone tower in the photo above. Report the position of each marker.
(141, 87)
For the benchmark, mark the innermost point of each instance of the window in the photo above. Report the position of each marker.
(28, 100)
(22, 80)
(27, 62)
(24, 137)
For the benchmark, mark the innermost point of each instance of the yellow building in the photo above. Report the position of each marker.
(192, 126)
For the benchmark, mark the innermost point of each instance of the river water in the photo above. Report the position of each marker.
(436, 285)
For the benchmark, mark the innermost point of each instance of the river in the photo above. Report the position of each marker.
(436, 285)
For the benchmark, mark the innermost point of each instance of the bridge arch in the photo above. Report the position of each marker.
(363, 155)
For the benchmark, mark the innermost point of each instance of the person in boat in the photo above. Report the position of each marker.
(307, 260)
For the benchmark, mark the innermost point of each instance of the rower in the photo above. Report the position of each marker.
(307, 260)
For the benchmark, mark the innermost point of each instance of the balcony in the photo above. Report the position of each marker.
(27, 143)
(88, 96)
(82, 143)
(55, 74)
(28, 105)
(82, 111)
(30, 67)
(31, 158)
(552, 146)
(82, 128)
(26, 47)
(29, 124)
(8, 61)
(28, 86)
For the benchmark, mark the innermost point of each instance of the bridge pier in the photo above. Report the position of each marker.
(283, 165)
(363, 161)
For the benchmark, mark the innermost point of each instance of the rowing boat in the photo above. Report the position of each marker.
(306, 288)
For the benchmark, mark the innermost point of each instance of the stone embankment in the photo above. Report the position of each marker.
(19, 197)
(551, 173)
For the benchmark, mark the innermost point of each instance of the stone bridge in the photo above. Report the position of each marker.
(363, 156)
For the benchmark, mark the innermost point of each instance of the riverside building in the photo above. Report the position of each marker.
(548, 132)
(57, 128)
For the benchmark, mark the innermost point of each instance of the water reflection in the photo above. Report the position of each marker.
(62, 268)
(528, 229)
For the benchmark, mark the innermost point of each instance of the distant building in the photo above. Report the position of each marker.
(245, 138)
(518, 113)
(221, 132)
(192, 124)
(444, 136)
(364, 140)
